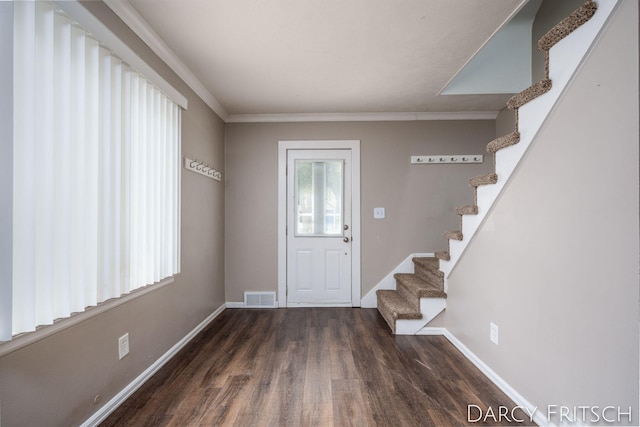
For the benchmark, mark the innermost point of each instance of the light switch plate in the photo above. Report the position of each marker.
(378, 213)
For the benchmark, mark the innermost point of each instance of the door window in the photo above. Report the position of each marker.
(319, 197)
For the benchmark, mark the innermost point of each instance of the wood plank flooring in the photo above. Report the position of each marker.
(312, 367)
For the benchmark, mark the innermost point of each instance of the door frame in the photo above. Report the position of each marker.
(283, 148)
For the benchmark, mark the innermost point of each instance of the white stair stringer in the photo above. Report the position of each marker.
(430, 308)
(565, 59)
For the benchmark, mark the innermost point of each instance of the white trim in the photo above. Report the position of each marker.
(505, 387)
(28, 338)
(360, 117)
(235, 304)
(93, 25)
(354, 146)
(310, 305)
(431, 330)
(389, 282)
(102, 413)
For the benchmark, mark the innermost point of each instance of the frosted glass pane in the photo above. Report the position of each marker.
(319, 194)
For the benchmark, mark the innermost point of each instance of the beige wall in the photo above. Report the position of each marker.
(505, 122)
(555, 265)
(420, 200)
(53, 382)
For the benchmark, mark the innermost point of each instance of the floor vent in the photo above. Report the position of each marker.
(260, 300)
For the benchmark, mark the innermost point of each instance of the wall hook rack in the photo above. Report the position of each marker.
(434, 160)
(202, 168)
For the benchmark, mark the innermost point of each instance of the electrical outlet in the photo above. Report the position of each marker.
(123, 345)
(493, 333)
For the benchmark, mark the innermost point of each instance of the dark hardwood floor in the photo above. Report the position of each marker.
(312, 367)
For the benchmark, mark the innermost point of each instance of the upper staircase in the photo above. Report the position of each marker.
(420, 296)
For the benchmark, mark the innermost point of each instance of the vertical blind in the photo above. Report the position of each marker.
(96, 173)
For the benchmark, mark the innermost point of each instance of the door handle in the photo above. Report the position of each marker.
(346, 240)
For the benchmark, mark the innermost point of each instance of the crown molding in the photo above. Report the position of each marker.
(130, 16)
(361, 117)
(137, 23)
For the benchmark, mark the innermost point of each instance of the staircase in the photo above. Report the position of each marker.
(421, 296)
(416, 296)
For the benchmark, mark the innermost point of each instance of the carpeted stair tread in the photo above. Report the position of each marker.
(417, 287)
(490, 178)
(529, 94)
(392, 306)
(503, 142)
(397, 305)
(443, 255)
(453, 234)
(567, 25)
(467, 210)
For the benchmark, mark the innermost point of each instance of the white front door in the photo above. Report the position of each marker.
(319, 227)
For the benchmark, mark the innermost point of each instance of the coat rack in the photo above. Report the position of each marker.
(202, 168)
(433, 160)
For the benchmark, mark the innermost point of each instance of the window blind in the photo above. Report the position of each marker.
(96, 182)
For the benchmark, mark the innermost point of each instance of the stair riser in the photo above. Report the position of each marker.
(467, 210)
(406, 293)
(443, 255)
(504, 142)
(387, 316)
(529, 94)
(429, 277)
(488, 179)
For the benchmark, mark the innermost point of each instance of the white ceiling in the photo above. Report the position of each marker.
(329, 56)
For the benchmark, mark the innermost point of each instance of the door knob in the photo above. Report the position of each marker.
(346, 240)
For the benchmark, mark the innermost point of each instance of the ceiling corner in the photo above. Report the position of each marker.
(130, 16)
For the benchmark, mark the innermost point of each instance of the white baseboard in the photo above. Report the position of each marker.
(431, 330)
(241, 305)
(106, 410)
(517, 398)
(235, 304)
(370, 300)
(311, 305)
